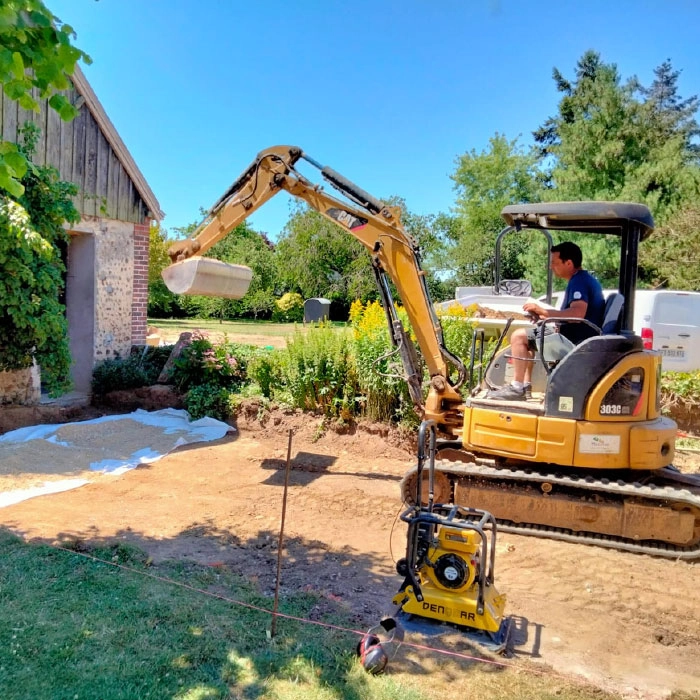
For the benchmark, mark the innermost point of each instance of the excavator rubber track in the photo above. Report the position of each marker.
(671, 492)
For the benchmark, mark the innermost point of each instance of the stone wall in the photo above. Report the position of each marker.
(22, 386)
(114, 285)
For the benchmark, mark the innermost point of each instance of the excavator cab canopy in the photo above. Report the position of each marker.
(631, 222)
(589, 217)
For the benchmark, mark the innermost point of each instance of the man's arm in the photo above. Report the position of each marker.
(577, 309)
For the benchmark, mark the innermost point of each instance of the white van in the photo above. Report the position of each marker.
(667, 320)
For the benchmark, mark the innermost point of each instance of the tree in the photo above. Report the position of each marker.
(429, 232)
(670, 114)
(619, 141)
(242, 246)
(486, 182)
(671, 257)
(161, 301)
(35, 52)
(246, 246)
(317, 258)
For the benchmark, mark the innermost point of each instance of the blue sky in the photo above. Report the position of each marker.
(388, 93)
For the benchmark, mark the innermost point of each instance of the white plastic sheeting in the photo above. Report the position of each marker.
(158, 433)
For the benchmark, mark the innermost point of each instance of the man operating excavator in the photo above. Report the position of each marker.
(583, 299)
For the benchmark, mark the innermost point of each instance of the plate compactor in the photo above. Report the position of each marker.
(448, 569)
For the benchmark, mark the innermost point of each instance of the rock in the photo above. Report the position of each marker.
(183, 341)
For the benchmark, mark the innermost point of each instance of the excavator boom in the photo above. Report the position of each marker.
(378, 227)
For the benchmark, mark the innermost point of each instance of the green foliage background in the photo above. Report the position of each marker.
(610, 138)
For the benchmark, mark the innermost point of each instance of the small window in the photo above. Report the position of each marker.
(622, 399)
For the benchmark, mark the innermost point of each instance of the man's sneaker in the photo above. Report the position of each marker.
(507, 393)
(527, 389)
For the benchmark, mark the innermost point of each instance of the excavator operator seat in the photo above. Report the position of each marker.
(613, 314)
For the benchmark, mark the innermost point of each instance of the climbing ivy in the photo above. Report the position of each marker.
(32, 318)
(36, 60)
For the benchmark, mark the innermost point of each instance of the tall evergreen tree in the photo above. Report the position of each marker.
(620, 141)
(669, 114)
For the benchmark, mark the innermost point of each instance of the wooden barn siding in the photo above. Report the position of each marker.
(81, 154)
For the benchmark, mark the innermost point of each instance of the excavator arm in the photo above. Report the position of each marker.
(394, 254)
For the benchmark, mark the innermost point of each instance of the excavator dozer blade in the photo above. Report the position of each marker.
(209, 277)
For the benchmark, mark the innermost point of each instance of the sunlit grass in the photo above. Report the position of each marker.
(77, 627)
(231, 327)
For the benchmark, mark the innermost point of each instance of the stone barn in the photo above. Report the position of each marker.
(107, 258)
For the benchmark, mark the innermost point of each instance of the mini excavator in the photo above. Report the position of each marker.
(588, 458)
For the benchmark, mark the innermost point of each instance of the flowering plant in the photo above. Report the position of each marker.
(204, 362)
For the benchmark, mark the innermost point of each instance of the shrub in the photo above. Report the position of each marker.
(266, 370)
(153, 360)
(209, 400)
(117, 373)
(139, 369)
(202, 362)
(289, 308)
(379, 371)
(212, 374)
(317, 371)
(681, 389)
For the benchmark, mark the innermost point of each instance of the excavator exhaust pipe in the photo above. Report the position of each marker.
(209, 277)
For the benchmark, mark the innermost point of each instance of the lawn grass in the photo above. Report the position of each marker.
(240, 327)
(76, 625)
(72, 627)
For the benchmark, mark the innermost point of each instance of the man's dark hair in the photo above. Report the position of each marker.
(569, 251)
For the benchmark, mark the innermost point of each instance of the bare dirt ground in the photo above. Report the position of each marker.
(626, 622)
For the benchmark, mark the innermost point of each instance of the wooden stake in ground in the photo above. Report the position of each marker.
(280, 542)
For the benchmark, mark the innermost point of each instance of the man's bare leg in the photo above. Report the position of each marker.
(521, 357)
(522, 369)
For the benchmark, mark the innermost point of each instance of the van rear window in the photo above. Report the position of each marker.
(677, 310)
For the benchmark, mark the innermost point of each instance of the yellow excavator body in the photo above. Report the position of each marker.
(607, 434)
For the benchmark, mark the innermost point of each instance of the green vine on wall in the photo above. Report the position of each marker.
(32, 319)
(37, 58)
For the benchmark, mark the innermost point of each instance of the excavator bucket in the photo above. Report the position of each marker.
(209, 277)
